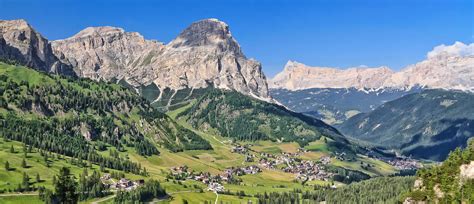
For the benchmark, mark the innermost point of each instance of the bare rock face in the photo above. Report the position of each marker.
(20, 43)
(204, 54)
(446, 67)
(106, 53)
(299, 76)
(467, 171)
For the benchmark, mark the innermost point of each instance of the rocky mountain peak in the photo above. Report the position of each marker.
(21, 43)
(18, 24)
(207, 32)
(204, 54)
(99, 31)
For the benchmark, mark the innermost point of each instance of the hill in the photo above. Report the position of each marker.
(83, 114)
(241, 117)
(425, 125)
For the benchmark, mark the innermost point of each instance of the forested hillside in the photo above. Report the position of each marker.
(450, 182)
(336, 105)
(425, 125)
(76, 117)
(241, 117)
(387, 190)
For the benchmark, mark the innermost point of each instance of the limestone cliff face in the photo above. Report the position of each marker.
(204, 54)
(20, 43)
(106, 53)
(297, 76)
(446, 67)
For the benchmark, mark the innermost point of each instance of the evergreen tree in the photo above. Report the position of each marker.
(12, 150)
(7, 166)
(23, 163)
(38, 179)
(25, 185)
(65, 188)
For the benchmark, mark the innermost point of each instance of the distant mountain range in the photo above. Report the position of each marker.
(446, 67)
(334, 95)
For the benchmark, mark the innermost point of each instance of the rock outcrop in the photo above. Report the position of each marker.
(21, 44)
(446, 67)
(204, 54)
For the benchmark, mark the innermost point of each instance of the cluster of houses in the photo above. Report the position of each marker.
(240, 171)
(340, 156)
(309, 170)
(215, 187)
(183, 172)
(405, 164)
(303, 169)
(122, 184)
(240, 149)
(244, 149)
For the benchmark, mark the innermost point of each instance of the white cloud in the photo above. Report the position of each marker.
(457, 49)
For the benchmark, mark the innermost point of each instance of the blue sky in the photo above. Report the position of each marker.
(320, 33)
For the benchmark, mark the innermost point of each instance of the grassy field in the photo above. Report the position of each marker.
(23, 199)
(273, 147)
(380, 168)
(35, 164)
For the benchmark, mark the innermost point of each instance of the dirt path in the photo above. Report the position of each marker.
(104, 199)
(217, 198)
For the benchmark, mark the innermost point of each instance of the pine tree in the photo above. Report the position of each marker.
(38, 179)
(23, 163)
(65, 187)
(12, 150)
(26, 182)
(7, 166)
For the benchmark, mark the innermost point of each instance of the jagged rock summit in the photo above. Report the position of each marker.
(20, 43)
(204, 54)
(446, 67)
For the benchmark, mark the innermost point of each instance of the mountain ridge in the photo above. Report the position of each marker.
(446, 67)
(205, 54)
(425, 125)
